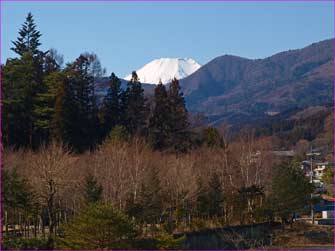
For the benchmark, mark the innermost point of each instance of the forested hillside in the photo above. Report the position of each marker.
(235, 89)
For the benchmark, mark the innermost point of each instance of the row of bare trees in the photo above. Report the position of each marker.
(56, 178)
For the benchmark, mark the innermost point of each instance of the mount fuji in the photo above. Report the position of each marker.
(165, 69)
(238, 90)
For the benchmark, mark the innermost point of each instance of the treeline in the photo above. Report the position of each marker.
(157, 193)
(43, 101)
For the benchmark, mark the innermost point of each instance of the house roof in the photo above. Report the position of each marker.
(289, 153)
(328, 198)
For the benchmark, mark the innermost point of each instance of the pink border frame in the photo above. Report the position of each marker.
(1, 147)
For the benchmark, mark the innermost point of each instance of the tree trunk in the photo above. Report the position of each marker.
(35, 226)
(6, 222)
(43, 226)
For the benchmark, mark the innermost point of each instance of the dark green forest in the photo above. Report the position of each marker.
(43, 101)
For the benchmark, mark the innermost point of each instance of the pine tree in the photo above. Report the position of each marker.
(16, 192)
(150, 198)
(290, 191)
(44, 109)
(212, 137)
(22, 80)
(248, 196)
(19, 89)
(119, 133)
(93, 190)
(135, 108)
(18, 199)
(59, 97)
(112, 105)
(148, 206)
(64, 127)
(76, 107)
(12, 98)
(180, 138)
(202, 201)
(28, 40)
(159, 127)
(215, 195)
(115, 230)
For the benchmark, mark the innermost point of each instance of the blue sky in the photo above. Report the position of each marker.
(126, 36)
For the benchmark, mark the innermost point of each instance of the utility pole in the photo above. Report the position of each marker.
(311, 154)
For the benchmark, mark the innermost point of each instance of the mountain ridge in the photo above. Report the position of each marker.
(236, 90)
(230, 86)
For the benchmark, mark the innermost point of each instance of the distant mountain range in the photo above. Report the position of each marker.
(236, 89)
(240, 90)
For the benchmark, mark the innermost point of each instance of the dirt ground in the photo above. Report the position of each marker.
(304, 236)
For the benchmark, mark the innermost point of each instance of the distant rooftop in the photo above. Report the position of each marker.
(288, 153)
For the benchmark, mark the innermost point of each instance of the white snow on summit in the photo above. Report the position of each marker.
(165, 69)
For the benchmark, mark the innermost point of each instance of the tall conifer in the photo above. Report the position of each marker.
(180, 138)
(159, 124)
(112, 110)
(76, 106)
(28, 40)
(135, 107)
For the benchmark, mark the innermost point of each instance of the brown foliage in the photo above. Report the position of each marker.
(57, 176)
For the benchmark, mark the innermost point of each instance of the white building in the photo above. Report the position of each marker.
(319, 169)
(328, 214)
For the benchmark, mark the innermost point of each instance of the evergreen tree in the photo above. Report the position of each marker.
(93, 190)
(16, 193)
(135, 108)
(64, 127)
(202, 200)
(18, 202)
(180, 138)
(28, 40)
(150, 198)
(77, 107)
(212, 137)
(119, 133)
(209, 200)
(22, 81)
(115, 230)
(44, 109)
(112, 105)
(159, 127)
(291, 190)
(19, 88)
(47, 101)
(215, 195)
(148, 206)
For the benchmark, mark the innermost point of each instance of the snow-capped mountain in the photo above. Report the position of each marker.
(165, 69)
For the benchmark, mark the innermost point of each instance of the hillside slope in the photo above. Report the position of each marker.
(235, 89)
